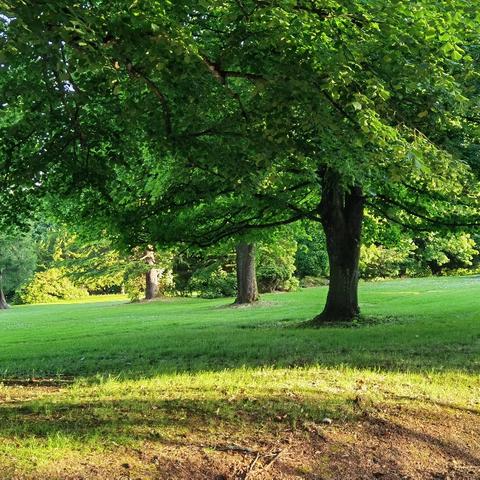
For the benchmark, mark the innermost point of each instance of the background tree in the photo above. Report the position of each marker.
(311, 259)
(276, 267)
(247, 288)
(89, 259)
(17, 263)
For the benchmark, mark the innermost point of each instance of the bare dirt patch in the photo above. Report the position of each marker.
(394, 443)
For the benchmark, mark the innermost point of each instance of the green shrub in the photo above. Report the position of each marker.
(290, 285)
(309, 281)
(50, 286)
(446, 253)
(378, 261)
(213, 282)
(17, 262)
(134, 286)
(311, 258)
(276, 264)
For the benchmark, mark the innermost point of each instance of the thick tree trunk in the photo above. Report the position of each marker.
(342, 216)
(151, 277)
(247, 291)
(3, 301)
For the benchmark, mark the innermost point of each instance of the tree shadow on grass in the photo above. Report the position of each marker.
(220, 425)
(191, 336)
(381, 427)
(140, 419)
(438, 403)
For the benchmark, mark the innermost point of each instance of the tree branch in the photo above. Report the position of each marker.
(434, 221)
(221, 75)
(395, 220)
(167, 115)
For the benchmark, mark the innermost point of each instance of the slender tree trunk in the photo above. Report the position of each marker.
(3, 301)
(342, 216)
(247, 291)
(151, 277)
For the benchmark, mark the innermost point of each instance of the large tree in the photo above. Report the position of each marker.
(197, 121)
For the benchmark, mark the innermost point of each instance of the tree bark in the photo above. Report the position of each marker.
(247, 291)
(151, 277)
(341, 212)
(3, 301)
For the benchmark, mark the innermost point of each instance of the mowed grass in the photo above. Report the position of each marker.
(198, 372)
(424, 324)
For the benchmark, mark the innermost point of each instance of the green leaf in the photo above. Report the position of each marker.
(456, 55)
(448, 47)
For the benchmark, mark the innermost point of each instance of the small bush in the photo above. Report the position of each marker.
(311, 258)
(213, 283)
(135, 286)
(290, 285)
(309, 281)
(50, 286)
(276, 265)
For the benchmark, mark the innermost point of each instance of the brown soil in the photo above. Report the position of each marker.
(394, 443)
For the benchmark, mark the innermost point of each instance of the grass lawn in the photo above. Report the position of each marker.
(192, 388)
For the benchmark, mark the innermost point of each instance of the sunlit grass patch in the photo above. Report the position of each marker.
(101, 415)
(98, 383)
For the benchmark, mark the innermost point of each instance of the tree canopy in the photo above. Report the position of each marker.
(195, 121)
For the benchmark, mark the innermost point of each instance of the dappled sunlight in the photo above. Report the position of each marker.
(169, 389)
(212, 410)
(239, 240)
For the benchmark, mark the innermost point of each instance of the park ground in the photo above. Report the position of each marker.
(195, 389)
